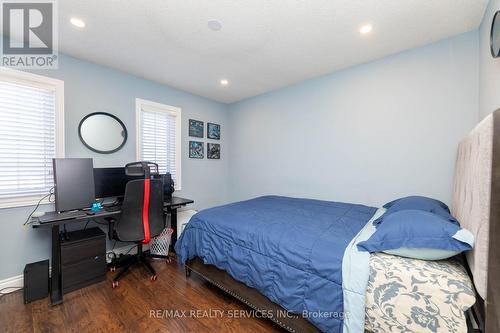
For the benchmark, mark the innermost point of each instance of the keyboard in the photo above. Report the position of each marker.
(55, 217)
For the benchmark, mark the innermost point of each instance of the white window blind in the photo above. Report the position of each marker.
(158, 137)
(27, 140)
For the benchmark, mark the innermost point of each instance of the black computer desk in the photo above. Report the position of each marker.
(56, 295)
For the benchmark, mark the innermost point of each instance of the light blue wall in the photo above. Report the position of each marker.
(89, 88)
(489, 67)
(366, 134)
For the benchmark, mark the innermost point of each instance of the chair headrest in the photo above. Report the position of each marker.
(142, 168)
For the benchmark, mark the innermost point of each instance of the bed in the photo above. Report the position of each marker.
(286, 248)
(276, 253)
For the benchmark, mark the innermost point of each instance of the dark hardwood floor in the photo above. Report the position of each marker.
(137, 305)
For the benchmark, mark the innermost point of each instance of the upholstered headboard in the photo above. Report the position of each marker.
(472, 194)
(476, 204)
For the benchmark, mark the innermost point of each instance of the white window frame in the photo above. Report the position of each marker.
(38, 81)
(178, 129)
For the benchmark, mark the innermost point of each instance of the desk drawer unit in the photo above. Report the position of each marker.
(83, 258)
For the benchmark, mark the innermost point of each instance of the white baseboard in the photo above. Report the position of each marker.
(12, 283)
(16, 282)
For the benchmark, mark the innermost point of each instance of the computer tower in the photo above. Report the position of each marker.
(83, 258)
(36, 281)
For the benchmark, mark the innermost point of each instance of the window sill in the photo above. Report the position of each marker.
(23, 202)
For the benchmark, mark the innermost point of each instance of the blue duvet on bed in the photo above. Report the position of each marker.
(289, 249)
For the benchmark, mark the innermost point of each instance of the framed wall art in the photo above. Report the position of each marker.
(196, 128)
(196, 149)
(213, 131)
(213, 151)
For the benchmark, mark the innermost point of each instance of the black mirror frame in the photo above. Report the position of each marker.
(491, 36)
(125, 133)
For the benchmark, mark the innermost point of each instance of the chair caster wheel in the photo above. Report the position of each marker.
(112, 269)
(114, 284)
(153, 278)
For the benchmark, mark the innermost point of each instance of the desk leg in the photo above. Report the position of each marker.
(173, 225)
(56, 295)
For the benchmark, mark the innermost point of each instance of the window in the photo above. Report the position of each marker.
(31, 134)
(159, 137)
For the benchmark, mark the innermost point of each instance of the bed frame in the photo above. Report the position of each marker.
(250, 296)
(486, 314)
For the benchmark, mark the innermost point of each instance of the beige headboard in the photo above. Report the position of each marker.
(472, 196)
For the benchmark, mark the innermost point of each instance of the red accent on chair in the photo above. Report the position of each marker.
(145, 212)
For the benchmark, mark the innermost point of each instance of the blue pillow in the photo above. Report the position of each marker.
(419, 203)
(415, 230)
(416, 202)
(422, 253)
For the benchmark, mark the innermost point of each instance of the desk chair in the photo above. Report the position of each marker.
(141, 215)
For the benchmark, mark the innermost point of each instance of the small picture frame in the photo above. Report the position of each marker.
(213, 131)
(213, 151)
(196, 128)
(196, 149)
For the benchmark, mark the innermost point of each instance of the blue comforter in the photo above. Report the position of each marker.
(290, 250)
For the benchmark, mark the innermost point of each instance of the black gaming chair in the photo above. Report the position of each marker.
(141, 217)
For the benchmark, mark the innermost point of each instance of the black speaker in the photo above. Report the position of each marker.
(168, 185)
(36, 281)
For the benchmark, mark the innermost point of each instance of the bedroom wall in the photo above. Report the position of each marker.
(89, 88)
(366, 134)
(489, 67)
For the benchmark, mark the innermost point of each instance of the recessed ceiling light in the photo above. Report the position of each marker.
(224, 82)
(214, 25)
(365, 29)
(77, 22)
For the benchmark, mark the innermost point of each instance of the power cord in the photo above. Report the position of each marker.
(111, 254)
(52, 195)
(124, 254)
(38, 205)
(96, 222)
(128, 251)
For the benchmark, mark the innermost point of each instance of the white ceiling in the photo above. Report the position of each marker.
(263, 44)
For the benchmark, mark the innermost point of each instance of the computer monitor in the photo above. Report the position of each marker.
(74, 183)
(110, 182)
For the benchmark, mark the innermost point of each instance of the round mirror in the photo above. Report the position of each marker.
(495, 36)
(102, 132)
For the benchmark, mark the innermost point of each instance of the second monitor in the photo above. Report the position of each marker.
(110, 182)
